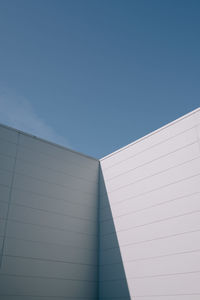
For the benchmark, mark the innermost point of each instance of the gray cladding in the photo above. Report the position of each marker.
(48, 220)
(126, 227)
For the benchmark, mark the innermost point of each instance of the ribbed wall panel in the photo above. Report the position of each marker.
(129, 229)
(48, 220)
(152, 194)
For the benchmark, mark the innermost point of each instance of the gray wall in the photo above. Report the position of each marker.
(151, 190)
(130, 230)
(112, 279)
(48, 220)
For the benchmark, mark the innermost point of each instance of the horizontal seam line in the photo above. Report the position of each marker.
(152, 206)
(151, 276)
(45, 167)
(155, 174)
(46, 277)
(52, 183)
(151, 240)
(154, 222)
(52, 144)
(47, 196)
(41, 296)
(46, 226)
(168, 295)
(144, 138)
(48, 211)
(57, 146)
(50, 260)
(51, 243)
(153, 190)
(149, 162)
(153, 257)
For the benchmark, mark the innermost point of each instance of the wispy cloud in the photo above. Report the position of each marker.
(18, 112)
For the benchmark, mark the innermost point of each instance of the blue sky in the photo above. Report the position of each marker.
(97, 75)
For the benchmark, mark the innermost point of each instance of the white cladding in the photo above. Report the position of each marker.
(129, 229)
(152, 188)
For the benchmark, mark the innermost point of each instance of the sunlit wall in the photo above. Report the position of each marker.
(152, 187)
(127, 230)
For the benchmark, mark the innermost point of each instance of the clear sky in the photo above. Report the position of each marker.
(97, 75)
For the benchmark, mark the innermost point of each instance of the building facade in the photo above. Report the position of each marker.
(125, 227)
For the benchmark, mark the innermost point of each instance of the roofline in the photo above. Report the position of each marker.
(151, 133)
(46, 141)
(111, 154)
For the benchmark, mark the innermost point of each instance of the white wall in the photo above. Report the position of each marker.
(153, 189)
(48, 220)
(146, 244)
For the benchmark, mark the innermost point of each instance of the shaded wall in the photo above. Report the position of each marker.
(112, 278)
(48, 220)
(153, 189)
(130, 230)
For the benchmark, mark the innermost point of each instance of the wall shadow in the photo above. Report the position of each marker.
(112, 277)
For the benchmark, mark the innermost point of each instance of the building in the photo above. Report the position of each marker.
(125, 227)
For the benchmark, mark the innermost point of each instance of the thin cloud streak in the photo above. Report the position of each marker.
(17, 112)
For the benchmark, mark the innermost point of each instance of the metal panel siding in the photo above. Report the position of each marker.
(8, 134)
(44, 234)
(7, 148)
(152, 140)
(53, 252)
(112, 284)
(68, 167)
(48, 220)
(127, 230)
(37, 286)
(60, 206)
(58, 153)
(46, 268)
(153, 189)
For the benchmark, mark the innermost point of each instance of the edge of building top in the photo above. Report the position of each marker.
(47, 141)
(151, 133)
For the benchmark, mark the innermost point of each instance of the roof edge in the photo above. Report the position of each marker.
(48, 142)
(151, 133)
